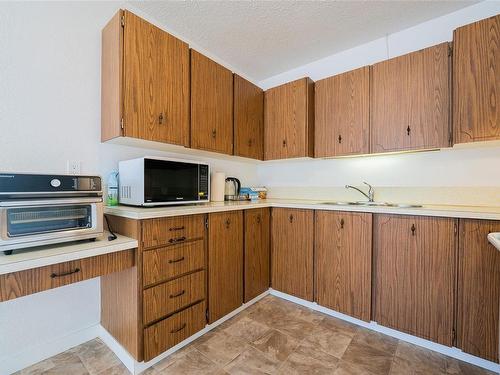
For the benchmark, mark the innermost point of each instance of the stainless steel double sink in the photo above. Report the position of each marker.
(372, 204)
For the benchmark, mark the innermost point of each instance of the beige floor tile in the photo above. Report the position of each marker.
(456, 367)
(66, 363)
(165, 362)
(276, 345)
(247, 329)
(332, 342)
(96, 356)
(37, 368)
(191, 363)
(421, 360)
(376, 340)
(347, 368)
(251, 361)
(308, 360)
(116, 370)
(337, 325)
(364, 357)
(222, 348)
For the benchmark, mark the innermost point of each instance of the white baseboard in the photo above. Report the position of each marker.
(137, 367)
(39, 352)
(451, 352)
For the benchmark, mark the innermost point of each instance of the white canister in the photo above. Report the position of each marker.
(217, 186)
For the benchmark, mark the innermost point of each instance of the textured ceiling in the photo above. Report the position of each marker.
(264, 38)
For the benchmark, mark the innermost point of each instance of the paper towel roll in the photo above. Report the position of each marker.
(217, 186)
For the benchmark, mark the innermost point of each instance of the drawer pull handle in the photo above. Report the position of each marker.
(175, 240)
(178, 294)
(54, 275)
(176, 260)
(178, 329)
(176, 228)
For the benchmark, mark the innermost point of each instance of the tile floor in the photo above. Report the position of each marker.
(273, 336)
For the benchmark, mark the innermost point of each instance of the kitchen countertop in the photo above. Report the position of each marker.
(470, 212)
(41, 256)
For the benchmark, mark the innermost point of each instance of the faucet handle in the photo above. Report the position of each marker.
(370, 190)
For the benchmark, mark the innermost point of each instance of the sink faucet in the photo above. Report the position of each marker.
(371, 191)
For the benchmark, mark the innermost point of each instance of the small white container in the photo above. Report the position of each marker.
(217, 186)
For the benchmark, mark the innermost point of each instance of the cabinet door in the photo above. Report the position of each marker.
(414, 273)
(248, 119)
(211, 105)
(289, 120)
(292, 251)
(342, 114)
(343, 259)
(257, 252)
(478, 289)
(410, 101)
(156, 83)
(476, 81)
(225, 263)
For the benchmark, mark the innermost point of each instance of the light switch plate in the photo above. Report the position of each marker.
(73, 166)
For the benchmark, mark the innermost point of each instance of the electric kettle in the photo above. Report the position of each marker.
(232, 189)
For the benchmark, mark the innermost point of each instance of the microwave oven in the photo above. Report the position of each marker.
(156, 181)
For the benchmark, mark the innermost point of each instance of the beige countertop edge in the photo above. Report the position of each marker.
(64, 252)
(467, 212)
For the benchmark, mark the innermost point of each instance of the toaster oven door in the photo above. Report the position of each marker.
(28, 222)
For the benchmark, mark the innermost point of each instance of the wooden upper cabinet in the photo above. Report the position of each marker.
(478, 289)
(225, 263)
(145, 82)
(257, 252)
(476, 81)
(248, 119)
(289, 120)
(292, 233)
(343, 262)
(211, 105)
(410, 101)
(342, 122)
(415, 275)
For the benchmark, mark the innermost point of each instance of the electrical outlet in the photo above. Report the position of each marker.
(73, 166)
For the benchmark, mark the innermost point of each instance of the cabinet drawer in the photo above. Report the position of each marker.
(169, 262)
(169, 332)
(22, 283)
(166, 298)
(172, 230)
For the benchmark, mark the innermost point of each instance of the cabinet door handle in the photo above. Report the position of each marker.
(290, 218)
(176, 260)
(258, 219)
(178, 329)
(341, 223)
(284, 142)
(250, 143)
(413, 229)
(408, 130)
(228, 223)
(214, 133)
(177, 294)
(54, 275)
(176, 228)
(160, 118)
(340, 138)
(175, 240)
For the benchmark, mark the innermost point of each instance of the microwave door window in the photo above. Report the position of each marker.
(166, 181)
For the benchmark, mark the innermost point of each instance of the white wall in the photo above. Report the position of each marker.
(445, 168)
(50, 113)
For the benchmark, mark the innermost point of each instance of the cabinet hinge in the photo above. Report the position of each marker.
(121, 123)
(122, 21)
(450, 50)
(206, 222)
(206, 315)
(455, 228)
(453, 336)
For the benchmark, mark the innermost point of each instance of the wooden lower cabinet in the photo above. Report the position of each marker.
(415, 275)
(171, 331)
(478, 289)
(257, 252)
(343, 262)
(225, 263)
(292, 239)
